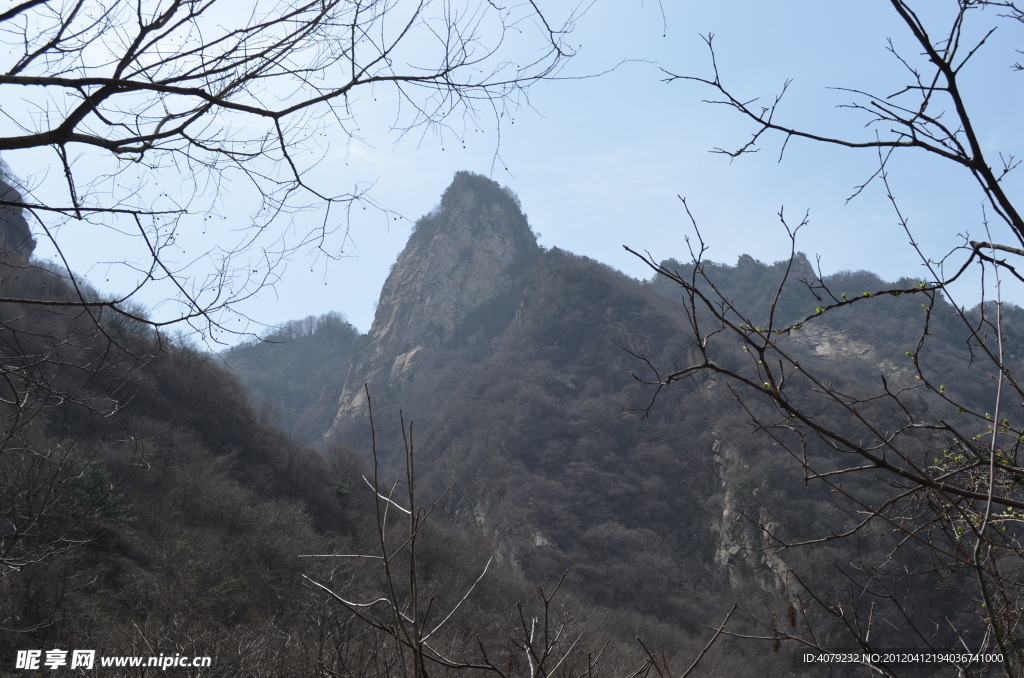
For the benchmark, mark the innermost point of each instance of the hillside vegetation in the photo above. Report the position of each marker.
(528, 404)
(157, 502)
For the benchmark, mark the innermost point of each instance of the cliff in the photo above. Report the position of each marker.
(16, 242)
(456, 284)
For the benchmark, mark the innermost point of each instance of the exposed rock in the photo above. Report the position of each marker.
(834, 344)
(838, 347)
(457, 283)
(745, 549)
(16, 242)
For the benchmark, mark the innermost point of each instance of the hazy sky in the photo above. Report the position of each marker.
(598, 162)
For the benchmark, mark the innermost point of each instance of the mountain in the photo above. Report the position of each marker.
(516, 367)
(508, 363)
(454, 288)
(513, 378)
(153, 505)
(16, 241)
(150, 510)
(318, 349)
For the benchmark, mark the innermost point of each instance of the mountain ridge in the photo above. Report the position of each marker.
(521, 391)
(531, 418)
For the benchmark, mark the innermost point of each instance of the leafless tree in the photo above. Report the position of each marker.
(151, 113)
(129, 97)
(935, 468)
(423, 627)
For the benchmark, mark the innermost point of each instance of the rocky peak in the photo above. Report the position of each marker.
(471, 250)
(456, 283)
(16, 242)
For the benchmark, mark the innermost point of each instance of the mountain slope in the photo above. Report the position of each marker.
(515, 367)
(519, 373)
(297, 371)
(515, 378)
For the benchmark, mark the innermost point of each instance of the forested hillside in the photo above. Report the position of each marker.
(148, 508)
(531, 464)
(296, 372)
(553, 449)
(152, 508)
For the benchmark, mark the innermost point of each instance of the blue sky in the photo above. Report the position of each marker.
(599, 162)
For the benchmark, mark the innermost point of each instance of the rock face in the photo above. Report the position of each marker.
(456, 284)
(745, 551)
(16, 242)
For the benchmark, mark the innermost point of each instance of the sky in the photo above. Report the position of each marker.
(601, 155)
